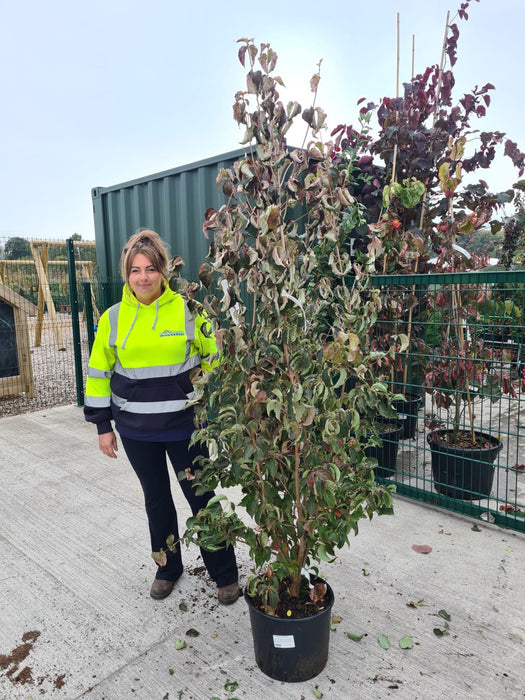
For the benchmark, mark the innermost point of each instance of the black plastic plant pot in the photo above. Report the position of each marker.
(465, 474)
(407, 411)
(291, 650)
(386, 453)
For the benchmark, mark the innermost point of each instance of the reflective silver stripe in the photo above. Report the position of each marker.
(97, 401)
(160, 371)
(94, 373)
(149, 406)
(113, 324)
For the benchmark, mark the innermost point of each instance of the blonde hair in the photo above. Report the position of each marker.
(150, 244)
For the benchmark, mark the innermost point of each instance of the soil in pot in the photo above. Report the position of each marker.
(292, 649)
(463, 466)
(386, 454)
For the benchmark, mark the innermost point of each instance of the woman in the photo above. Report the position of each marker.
(146, 348)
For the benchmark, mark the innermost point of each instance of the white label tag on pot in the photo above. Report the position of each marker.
(281, 641)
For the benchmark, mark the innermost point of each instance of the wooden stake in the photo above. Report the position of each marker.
(394, 161)
(441, 67)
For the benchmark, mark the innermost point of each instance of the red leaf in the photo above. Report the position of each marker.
(518, 468)
(422, 548)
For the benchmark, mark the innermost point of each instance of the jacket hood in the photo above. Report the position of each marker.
(167, 295)
(129, 298)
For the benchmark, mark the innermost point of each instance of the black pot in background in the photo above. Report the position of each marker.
(291, 650)
(386, 454)
(465, 474)
(407, 411)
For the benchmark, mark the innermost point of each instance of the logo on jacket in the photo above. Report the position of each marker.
(166, 333)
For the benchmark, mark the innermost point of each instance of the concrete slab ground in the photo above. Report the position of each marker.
(77, 621)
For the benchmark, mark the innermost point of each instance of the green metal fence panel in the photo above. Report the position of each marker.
(461, 382)
(172, 202)
(74, 296)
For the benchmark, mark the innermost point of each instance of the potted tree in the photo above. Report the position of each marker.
(425, 136)
(458, 372)
(291, 405)
(399, 250)
(414, 149)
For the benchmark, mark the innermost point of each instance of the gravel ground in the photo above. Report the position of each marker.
(53, 369)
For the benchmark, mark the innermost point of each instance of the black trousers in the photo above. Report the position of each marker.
(149, 462)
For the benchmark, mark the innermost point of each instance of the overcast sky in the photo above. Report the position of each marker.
(100, 92)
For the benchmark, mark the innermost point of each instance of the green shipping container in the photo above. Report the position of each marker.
(172, 202)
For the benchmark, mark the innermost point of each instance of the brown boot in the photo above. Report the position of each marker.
(229, 594)
(161, 589)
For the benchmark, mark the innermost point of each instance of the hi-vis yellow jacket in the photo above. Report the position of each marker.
(140, 364)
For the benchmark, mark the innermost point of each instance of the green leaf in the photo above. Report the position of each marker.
(383, 641)
(406, 642)
(439, 632)
(179, 644)
(230, 686)
(192, 632)
(322, 555)
(317, 693)
(160, 558)
(444, 614)
(183, 607)
(216, 499)
(354, 637)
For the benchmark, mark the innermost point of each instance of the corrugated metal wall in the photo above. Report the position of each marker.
(172, 202)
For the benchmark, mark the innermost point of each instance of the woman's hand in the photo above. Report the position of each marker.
(108, 444)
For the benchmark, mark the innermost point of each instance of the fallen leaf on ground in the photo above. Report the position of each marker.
(354, 637)
(422, 548)
(383, 641)
(406, 642)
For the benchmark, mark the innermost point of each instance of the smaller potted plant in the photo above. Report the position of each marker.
(399, 249)
(462, 455)
(458, 371)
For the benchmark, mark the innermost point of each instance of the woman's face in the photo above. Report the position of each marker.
(145, 281)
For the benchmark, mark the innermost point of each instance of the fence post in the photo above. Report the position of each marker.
(73, 297)
(88, 305)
